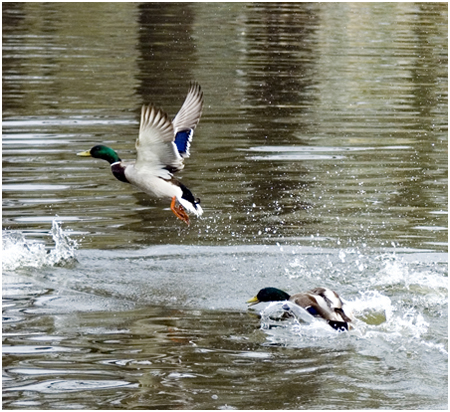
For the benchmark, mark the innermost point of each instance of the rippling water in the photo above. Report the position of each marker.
(167, 326)
(320, 160)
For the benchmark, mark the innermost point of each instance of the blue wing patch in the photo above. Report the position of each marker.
(183, 142)
(312, 311)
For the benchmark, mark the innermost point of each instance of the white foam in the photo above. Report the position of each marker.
(397, 272)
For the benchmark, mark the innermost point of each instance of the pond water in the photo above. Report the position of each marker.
(320, 160)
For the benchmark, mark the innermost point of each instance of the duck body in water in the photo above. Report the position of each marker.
(319, 302)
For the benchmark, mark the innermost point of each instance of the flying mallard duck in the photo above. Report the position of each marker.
(319, 302)
(161, 148)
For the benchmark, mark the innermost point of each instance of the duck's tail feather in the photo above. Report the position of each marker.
(188, 201)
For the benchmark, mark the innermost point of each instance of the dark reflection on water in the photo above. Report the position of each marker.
(324, 125)
(165, 29)
(278, 80)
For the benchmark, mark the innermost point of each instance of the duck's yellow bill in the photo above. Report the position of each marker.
(252, 301)
(87, 153)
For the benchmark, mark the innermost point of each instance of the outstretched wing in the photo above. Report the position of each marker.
(155, 145)
(187, 119)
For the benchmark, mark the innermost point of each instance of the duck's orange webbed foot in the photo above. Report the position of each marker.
(179, 211)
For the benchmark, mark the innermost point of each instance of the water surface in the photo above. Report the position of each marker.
(320, 160)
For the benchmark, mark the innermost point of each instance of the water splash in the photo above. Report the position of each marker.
(288, 330)
(375, 313)
(397, 272)
(372, 307)
(17, 251)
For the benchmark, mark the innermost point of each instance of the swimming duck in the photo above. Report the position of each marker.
(319, 302)
(161, 148)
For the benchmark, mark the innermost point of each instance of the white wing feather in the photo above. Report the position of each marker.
(155, 147)
(191, 110)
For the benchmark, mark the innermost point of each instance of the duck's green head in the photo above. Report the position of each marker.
(102, 152)
(268, 295)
